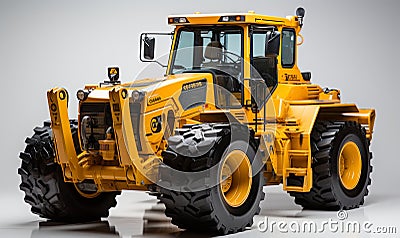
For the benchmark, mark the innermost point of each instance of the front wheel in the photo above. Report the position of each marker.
(45, 190)
(230, 205)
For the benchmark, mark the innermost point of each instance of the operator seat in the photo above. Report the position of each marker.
(213, 53)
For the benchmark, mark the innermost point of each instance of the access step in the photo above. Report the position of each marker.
(296, 171)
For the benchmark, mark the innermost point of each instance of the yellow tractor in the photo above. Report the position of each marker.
(232, 114)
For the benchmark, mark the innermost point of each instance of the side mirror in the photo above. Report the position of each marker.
(272, 44)
(149, 46)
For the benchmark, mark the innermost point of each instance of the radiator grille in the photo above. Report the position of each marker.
(101, 120)
(313, 92)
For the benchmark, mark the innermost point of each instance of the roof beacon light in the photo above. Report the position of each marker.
(300, 13)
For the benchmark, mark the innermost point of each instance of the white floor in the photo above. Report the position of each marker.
(139, 214)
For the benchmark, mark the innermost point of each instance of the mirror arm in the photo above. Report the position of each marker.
(141, 46)
(162, 65)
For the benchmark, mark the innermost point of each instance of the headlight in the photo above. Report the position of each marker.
(82, 95)
(137, 96)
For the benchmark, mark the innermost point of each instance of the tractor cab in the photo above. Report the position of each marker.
(241, 51)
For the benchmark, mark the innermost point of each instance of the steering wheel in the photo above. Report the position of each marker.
(228, 55)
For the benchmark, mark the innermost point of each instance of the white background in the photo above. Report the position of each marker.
(350, 45)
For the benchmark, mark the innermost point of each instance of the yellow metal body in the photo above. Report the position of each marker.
(296, 104)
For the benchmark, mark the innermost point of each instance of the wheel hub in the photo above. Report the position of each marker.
(350, 165)
(236, 178)
(226, 179)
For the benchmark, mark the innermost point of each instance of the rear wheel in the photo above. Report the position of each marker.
(341, 167)
(45, 190)
(225, 207)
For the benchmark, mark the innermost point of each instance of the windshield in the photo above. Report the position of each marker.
(208, 47)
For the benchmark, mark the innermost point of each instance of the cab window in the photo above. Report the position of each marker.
(215, 49)
(263, 62)
(288, 48)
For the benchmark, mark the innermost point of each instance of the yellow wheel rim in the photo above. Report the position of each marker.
(350, 165)
(86, 195)
(236, 178)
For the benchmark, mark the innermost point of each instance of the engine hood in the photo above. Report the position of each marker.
(148, 85)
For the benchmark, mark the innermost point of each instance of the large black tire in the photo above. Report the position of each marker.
(206, 210)
(43, 183)
(328, 191)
